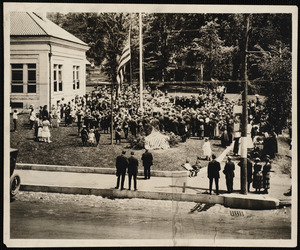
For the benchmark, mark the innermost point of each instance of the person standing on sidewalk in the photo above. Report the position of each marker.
(121, 165)
(229, 174)
(266, 175)
(133, 164)
(257, 176)
(213, 173)
(147, 159)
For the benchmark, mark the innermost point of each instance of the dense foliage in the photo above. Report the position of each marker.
(195, 47)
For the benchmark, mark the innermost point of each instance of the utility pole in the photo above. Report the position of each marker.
(141, 60)
(245, 117)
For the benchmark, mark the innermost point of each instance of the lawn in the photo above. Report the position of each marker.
(66, 149)
(283, 161)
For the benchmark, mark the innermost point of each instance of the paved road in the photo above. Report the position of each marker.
(61, 216)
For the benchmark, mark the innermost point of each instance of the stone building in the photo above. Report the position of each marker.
(48, 64)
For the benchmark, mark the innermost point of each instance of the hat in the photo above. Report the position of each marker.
(132, 153)
(257, 159)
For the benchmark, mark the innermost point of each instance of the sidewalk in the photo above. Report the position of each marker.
(175, 186)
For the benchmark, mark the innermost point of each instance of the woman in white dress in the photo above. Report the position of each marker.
(57, 117)
(46, 131)
(249, 139)
(32, 116)
(206, 149)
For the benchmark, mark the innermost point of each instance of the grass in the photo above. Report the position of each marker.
(66, 149)
(282, 161)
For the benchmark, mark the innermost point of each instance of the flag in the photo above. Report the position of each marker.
(125, 58)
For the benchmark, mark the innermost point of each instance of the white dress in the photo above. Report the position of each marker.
(249, 139)
(91, 138)
(206, 149)
(46, 130)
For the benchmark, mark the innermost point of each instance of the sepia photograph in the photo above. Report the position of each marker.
(150, 125)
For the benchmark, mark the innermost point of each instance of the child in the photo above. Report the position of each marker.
(206, 149)
(91, 137)
(15, 118)
(46, 131)
(188, 167)
(197, 166)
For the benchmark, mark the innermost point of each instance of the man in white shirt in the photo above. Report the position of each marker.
(15, 118)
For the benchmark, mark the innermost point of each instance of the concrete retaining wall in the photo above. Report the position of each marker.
(232, 202)
(76, 169)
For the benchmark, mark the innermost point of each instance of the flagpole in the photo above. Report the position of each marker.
(141, 62)
(111, 115)
(130, 65)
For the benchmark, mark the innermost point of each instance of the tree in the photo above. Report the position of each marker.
(159, 45)
(105, 33)
(276, 69)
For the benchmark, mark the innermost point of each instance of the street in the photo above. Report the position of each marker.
(62, 216)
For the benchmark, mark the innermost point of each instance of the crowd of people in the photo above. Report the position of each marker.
(258, 174)
(207, 115)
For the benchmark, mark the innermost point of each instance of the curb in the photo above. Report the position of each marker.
(91, 170)
(227, 201)
(78, 169)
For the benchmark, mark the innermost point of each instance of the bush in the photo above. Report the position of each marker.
(174, 139)
(137, 142)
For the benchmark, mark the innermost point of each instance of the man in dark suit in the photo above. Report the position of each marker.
(121, 165)
(84, 135)
(229, 174)
(147, 159)
(213, 173)
(133, 164)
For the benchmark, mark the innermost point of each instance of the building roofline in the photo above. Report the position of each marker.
(46, 35)
(41, 27)
(36, 22)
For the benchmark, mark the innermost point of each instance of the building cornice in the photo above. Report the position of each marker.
(46, 40)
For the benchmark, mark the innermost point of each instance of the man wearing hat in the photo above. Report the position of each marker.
(84, 135)
(121, 166)
(213, 173)
(133, 164)
(147, 159)
(229, 174)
